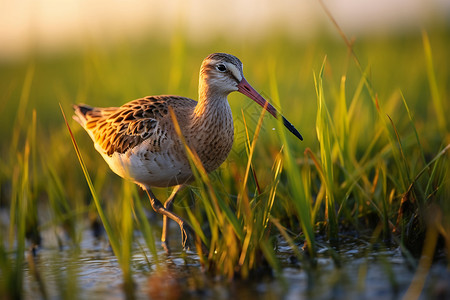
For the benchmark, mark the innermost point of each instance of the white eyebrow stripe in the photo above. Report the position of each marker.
(235, 71)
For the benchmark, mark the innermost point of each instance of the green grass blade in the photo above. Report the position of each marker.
(145, 227)
(115, 245)
(298, 190)
(324, 136)
(411, 121)
(439, 106)
(22, 109)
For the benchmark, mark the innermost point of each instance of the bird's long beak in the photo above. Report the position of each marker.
(245, 88)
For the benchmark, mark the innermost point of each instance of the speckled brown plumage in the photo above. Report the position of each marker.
(118, 129)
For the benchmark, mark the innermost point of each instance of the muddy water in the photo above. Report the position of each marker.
(92, 272)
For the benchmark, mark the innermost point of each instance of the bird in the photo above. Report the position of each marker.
(139, 141)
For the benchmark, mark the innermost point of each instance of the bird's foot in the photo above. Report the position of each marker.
(166, 247)
(185, 243)
(185, 236)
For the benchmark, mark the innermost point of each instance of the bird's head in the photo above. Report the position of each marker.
(221, 74)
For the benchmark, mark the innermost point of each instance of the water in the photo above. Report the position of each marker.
(93, 272)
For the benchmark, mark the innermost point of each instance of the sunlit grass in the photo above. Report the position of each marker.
(374, 159)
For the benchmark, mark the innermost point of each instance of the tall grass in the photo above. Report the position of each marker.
(324, 136)
(374, 160)
(239, 231)
(301, 196)
(23, 213)
(123, 217)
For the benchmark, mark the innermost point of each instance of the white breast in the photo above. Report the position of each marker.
(143, 167)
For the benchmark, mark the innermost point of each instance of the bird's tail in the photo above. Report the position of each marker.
(80, 113)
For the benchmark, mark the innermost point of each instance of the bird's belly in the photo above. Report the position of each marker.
(145, 168)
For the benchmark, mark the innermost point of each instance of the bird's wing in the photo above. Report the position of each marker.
(122, 128)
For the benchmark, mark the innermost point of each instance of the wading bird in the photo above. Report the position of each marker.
(139, 140)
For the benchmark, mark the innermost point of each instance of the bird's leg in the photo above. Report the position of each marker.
(168, 206)
(159, 208)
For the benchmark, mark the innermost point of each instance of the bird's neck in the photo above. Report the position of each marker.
(210, 102)
(211, 129)
(212, 110)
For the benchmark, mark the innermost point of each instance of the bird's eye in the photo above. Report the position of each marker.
(221, 67)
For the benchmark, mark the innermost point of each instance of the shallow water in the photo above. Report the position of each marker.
(92, 272)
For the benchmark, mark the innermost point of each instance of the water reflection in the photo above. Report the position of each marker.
(93, 272)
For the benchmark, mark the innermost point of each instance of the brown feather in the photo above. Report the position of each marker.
(118, 129)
